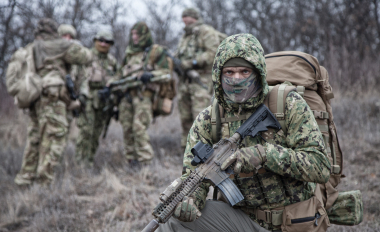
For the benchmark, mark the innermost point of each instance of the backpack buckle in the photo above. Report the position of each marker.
(268, 216)
(279, 116)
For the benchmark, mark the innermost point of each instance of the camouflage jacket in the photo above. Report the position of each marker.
(199, 44)
(153, 59)
(104, 65)
(58, 55)
(99, 72)
(295, 160)
(53, 60)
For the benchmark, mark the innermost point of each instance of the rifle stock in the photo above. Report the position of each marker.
(208, 160)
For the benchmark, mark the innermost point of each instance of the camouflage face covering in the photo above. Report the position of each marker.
(245, 46)
(240, 90)
(145, 39)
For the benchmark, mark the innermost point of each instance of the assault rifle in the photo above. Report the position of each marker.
(73, 96)
(191, 74)
(117, 88)
(208, 160)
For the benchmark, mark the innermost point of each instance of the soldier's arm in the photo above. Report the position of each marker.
(116, 70)
(162, 64)
(210, 43)
(77, 54)
(200, 131)
(180, 45)
(305, 156)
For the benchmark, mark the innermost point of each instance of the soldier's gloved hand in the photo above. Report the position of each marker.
(82, 99)
(145, 78)
(246, 160)
(104, 93)
(186, 210)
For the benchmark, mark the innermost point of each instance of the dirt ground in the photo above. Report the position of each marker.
(112, 196)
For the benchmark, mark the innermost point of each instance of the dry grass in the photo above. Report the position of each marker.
(115, 197)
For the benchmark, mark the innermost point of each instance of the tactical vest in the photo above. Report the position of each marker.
(264, 187)
(98, 75)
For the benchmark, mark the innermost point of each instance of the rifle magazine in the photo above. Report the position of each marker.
(230, 191)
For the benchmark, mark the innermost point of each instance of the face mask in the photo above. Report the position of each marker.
(240, 90)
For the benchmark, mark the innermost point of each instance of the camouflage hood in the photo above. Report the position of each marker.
(145, 39)
(245, 46)
(46, 29)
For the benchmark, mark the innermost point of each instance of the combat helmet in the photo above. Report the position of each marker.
(106, 35)
(64, 29)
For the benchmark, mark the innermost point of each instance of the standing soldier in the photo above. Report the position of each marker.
(99, 72)
(144, 60)
(47, 128)
(196, 51)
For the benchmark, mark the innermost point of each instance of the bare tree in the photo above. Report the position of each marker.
(161, 21)
(343, 35)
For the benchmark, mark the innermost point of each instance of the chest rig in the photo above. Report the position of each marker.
(265, 189)
(101, 70)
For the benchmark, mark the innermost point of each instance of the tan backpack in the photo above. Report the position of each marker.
(22, 80)
(165, 91)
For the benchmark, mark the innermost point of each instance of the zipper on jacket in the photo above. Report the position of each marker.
(315, 70)
(307, 219)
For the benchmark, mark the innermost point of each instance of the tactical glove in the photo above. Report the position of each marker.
(186, 210)
(104, 93)
(246, 160)
(145, 78)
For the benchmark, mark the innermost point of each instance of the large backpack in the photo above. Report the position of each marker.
(22, 80)
(297, 71)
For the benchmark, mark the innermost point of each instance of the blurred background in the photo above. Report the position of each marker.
(344, 35)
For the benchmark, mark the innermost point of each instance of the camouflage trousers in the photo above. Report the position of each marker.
(91, 125)
(193, 98)
(216, 216)
(135, 116)
(46, 141)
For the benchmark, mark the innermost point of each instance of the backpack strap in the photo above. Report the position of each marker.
(216, 125)
(276, 100)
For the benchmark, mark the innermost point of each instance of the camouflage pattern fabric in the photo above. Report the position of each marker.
(245, 160)
(135, 117)
(48, 128)
(191, 12)
(92, 122)
(46, 141)
(64, 29)
(46, 29)
(136, 105)
(192, 99)
(294, 160)
(199, 43)
(186, 210)
(145, 39)
(29, 165)
(347, 209)
(107, 35)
